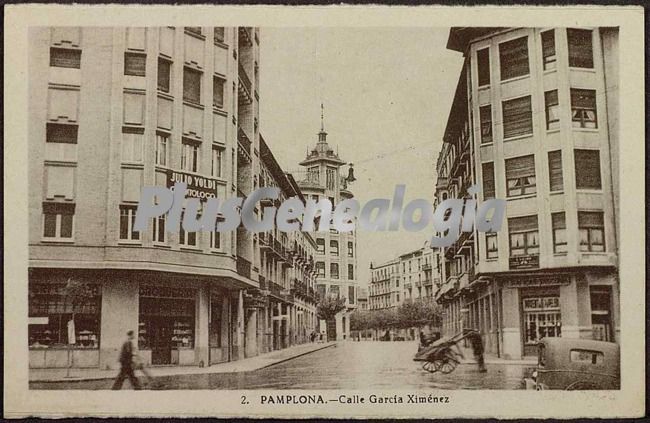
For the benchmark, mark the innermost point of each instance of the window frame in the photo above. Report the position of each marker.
(562, 245)
(582, 178)
(483, 65)
(503, 64)
(156, 229)
(334, 247)
(58, 223)
(523, 180)
(486, 124)
(137, 70)
(195, 148)
(223, 81)
(218, 152)
(75, 62)
(552, 104)
(132, 236)
(525, 232)
(549, 61)
(161, 88)
(491, 253)
(553, 171)
(583, 121)
(187, 71)
(510, 118)
(575, 55)
(165, 157)
(591, 228)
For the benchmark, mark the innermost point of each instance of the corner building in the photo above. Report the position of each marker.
(115, 109)
(535, 122)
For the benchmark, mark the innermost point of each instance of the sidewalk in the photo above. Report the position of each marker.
(244, 365)
(493, 359)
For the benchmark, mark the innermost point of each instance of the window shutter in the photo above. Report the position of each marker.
(61, 133)
(488, 180)
(548, 43)
(134, 64)
(520, 167)
(583, 98)
(191, 85)
(550, 98)
(517, 117)
(580, 48)
(522, 224)
(58, 208)
(483, 64)
(513, 56)
(587, 169)
(590, 219)
(555, 170)
(559, 221)
(65, 58)
(486, 123)
(219, 34)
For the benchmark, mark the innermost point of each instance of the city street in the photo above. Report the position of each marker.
(348, 365)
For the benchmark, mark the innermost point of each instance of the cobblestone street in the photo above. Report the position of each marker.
(348, 365)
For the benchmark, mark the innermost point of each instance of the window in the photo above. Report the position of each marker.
(132, 144)
(517, 117)
(187, 239)
(492, 248)
(65, 58)
(488, 180)
(215, 240)
(552, 110)
(513, 57)
(524, 236)
(350, 249)
(61, 133)
(320, 246)
(583, 109)
(217, 154)
(134, 64)
(164, 75)
(162, 143)
(334, 248)
(159, 228)
(587, 356)
(219, 34)
(194, 29)
(320, 269)
(555, 170)
(541, 318)
(350, 294)
(350, 271)
(520, 176)
(592, 231)
(549, 59)
(483, 64)
(334, 291)
(334, 270)
(580, 48)
(330, 180)
(58, 220)
(587, 169)
(218, 85)
(49, 300)
(191, 85)
(127, 220)
(601, 322)
(486, 124)
(189, 156)
(559, 232)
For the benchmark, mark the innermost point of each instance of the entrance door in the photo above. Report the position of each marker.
(601, 313)
(161, 345)
(331, 330)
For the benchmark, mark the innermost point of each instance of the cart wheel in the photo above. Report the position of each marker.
(581, 385)
(448, 366)
(429, 367)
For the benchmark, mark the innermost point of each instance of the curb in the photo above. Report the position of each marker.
(95, 378)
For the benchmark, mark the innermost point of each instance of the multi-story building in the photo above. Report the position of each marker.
(416, 272)
(115, 109)
(384, 290)
(362, 299)
(336, 257)
(534, 122)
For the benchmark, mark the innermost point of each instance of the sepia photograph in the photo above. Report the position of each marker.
(326, 215)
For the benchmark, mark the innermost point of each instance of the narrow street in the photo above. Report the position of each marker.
(348, 365)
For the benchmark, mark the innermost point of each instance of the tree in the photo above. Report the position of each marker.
(360, 320)
(416, 313)
(330, 306)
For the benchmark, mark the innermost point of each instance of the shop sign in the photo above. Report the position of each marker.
(536, 281)
(524, 262)
(197, 186)
(39, 320)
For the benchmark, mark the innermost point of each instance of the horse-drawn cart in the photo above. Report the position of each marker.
(442, 355)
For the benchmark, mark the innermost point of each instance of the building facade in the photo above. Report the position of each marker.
(534, 121)
(384, 289)
(115, 109)
(336, 252)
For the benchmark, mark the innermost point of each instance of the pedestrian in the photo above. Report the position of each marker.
(477, 347)
(127, 355)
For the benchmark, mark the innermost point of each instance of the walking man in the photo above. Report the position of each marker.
(127, 355)
(477, 347)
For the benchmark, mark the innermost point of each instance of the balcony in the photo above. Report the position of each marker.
(427, 282)
(243, 267)
(426, 266)
(245, 87)
(262, 282)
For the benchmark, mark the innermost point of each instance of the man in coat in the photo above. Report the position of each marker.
(127, 355)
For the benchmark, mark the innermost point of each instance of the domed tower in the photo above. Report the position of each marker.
(336, 255)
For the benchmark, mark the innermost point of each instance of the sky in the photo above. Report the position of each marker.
(386, 93)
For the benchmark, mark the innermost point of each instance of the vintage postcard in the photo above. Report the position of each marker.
(341, 211)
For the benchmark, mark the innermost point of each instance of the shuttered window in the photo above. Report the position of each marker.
(486, 124)
(219, 32)
(192, 85)
(58, 220)
(559, 232)
(549, 59)
(583, 108)
(488, 180)
(520, 176)
(513, 57)
(164, 74)
(194, 29)
(65, 58)
(217, 91)
(555, 170)
(581, 53)
(60, 133)
(483, 65)
(552, 107)
(587, 163)
(592, 231)
(134, 64)
(517, 117)
(524, 235)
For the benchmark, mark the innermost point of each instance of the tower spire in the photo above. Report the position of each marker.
(322, 120)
